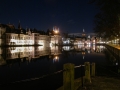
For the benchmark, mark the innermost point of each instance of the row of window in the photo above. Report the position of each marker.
(16, 37)
(16, 54)
(24, 38)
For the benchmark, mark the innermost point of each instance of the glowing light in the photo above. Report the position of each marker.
(83, 57)
(56, 31)
(55, 59)
(40, 47)
(83, 53)
(67, 48)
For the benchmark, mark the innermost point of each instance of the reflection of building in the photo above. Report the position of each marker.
(2, 61)
(32, 53)
(11, 36)
(28, 53)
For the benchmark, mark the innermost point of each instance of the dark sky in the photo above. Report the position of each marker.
(69, 15)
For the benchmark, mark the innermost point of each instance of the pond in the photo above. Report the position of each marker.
(20, 63)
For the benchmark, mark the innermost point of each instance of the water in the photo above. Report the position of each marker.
(20, 63)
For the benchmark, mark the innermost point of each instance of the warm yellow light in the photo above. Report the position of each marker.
(56, 58)
(56, 31)
(83, 52)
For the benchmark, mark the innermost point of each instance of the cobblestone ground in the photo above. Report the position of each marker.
(105, 79)
(102, 83)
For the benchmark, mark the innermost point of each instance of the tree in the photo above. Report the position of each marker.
(107, 20)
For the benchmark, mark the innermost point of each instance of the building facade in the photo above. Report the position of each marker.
(10, 36)
(83, 38)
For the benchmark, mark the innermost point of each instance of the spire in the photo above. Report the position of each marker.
(83, 34)
(83, 30)
(19, 26)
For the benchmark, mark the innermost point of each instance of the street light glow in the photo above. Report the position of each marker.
(56, 31)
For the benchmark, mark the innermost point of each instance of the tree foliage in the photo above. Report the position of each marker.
(107, 22)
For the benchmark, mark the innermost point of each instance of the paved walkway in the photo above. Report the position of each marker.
(102, 83)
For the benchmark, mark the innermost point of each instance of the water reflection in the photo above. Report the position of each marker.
(19, 63)
(84, 48)
(56, 59)
(22, 54)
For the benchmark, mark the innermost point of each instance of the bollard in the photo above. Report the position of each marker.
(81, 76)
(68, 76)
(87, 72)
(93, 69)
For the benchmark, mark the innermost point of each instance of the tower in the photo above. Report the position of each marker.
(56, 30)
(83, 33)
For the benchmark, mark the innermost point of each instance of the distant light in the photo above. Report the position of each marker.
(56, 31)
(56, 59)
(116, 63)
(83, 57)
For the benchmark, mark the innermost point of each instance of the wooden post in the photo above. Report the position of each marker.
(93, 69)
(68, 77)
(87, 72)
(82, 76)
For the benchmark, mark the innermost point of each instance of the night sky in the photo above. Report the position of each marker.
(69, 15)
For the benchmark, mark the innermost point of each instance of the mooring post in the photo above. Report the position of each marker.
(93, 69)
(87, 72)
(82, 76)
(68, 76)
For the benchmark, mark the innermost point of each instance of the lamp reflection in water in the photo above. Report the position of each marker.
(56, 59)
(83, 53)
(66, 48)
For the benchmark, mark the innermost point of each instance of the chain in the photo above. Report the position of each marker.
(79, 66)
(36, 78)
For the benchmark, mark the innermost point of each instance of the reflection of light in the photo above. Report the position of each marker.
(83, 52)
(30, 48)
(101, 46)
(88, 51)
(80, 46)
(83, 57)
(50, 44)
(116, 63)
(67, 48)
(55, 59)
(12, 40)
(40, 47)
(94, 41)
(88, 45)
(93, 47)
(41, 43)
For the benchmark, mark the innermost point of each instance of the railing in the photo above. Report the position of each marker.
(68, 76)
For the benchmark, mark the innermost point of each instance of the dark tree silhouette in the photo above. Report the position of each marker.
(107, 22)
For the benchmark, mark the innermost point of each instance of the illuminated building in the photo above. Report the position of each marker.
(56, 39)
(83, 38)
(10, 36)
